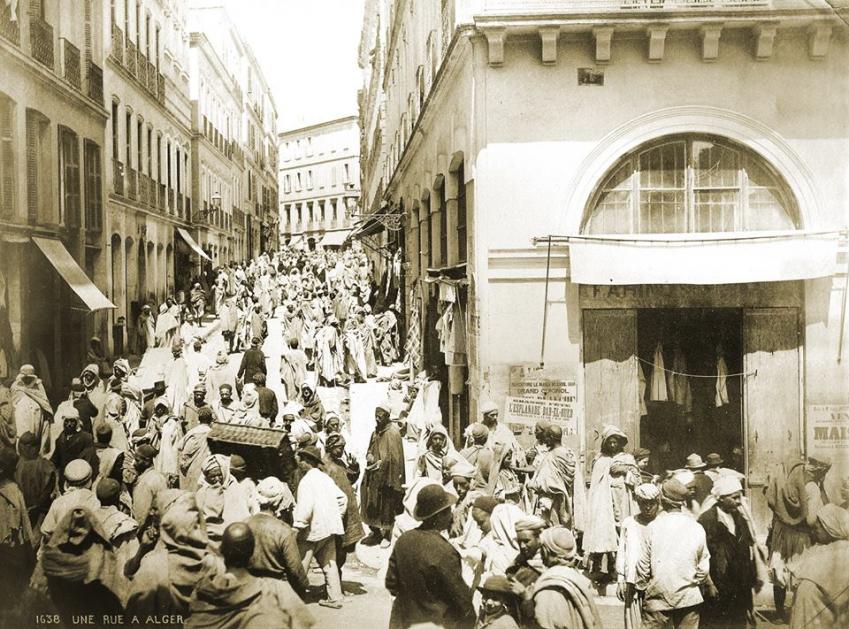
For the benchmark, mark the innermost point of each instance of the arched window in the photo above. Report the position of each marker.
(691, 183)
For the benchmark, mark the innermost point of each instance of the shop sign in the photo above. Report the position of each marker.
(690, 296)
(828, 431)
(533, 382)
(528, 411)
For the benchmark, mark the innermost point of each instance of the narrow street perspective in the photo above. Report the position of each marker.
(461, 314)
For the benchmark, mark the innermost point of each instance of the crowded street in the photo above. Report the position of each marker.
(469, 314)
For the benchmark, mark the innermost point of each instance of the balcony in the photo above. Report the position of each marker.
(170, 195)
(118, 177)
(142, 188)
(141, 69)
(160, 88)
(71, 63)
(132, 187)
(130, 58)
(151, 78)
(41, 36)
(163, 203)
(95, 83)
(117, 51)
(151, 192)
(10, 30)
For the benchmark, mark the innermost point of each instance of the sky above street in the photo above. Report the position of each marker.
(308, 53)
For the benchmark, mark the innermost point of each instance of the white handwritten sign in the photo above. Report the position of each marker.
(528, 411)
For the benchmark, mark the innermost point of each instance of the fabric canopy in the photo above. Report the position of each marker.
(335, 238)
(714, 259)
(295, 240)
(191, 242)
(71, 272)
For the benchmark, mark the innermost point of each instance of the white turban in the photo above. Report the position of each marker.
(647, 492)
(725, 486)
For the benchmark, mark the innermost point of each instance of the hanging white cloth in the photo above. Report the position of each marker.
(678, 384)
(721, 397)
(641, 389)
(657, 392)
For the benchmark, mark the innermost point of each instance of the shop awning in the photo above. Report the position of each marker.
(71, 272)
(295, 240)
(335, 238)
(711, 259)
(191, 242)
(371, 224)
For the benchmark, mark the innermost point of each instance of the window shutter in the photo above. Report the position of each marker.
(32, 168)
(7, 159)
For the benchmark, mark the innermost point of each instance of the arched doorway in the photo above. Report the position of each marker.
(657, 358)
(169, 269)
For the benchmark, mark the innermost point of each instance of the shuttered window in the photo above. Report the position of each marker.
(93, 187)
(38, 167)
(7, 157)
(69, 177)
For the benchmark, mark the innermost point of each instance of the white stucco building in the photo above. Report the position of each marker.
(688, 160)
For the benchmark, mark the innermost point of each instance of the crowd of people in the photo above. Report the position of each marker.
(116, 504)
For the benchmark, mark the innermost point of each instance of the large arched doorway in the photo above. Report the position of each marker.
(694, 367)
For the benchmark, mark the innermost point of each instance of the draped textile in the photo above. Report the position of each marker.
(383, 481)
(657, 390)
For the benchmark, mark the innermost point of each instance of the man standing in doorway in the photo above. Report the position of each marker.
(383, 481)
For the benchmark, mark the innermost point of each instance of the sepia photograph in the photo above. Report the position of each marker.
(410, 314)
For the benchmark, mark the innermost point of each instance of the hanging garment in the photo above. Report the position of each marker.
(641, 389)
(414, 336)
(678, 384)
(657, 391)
(721, 397)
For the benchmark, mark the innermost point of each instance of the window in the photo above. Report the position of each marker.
(333, 176)
(129, 138)
(39, 165)
(140, 145)
(298, 182)
(156, 50)
(443, 225)
(179, 174)
(147, 35)
(168, 165)
(461, 214)
(309, 180)
(7, 157)
(287, 184)
(347, 174)
(691, 183)
(150, 151)
(69, 177)
(116, 154)
(309, 146)
(93, 187)
(127, 18)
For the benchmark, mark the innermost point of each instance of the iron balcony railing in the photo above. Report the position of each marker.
(10, 29)
(95, 83)
(118, 177)
(141, 68)
(71, 64)
(41, 37)
(117, 50)
(132, 187)
(130, 57)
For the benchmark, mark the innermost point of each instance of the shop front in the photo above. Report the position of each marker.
(697, 369)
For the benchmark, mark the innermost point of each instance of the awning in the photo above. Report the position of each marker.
(295, 240)
(191, 242)
(71, 272)
(335, 238)
(712, 259)
(371, 224)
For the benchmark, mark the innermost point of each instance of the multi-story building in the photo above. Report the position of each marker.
(319, 181)
(52, 131)
(149, 169)
(234, 137)
(627, 197)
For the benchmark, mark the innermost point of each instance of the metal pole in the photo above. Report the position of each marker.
(545, 309)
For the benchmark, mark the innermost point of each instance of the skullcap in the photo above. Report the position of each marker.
(479, 431)
(146, 451)
(274, 492)
(559, 541)
(486, 503)
(463, 469)
(77, 472)
(108, 489)
(531, 523)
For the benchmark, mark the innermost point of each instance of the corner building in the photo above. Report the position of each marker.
(670, 175)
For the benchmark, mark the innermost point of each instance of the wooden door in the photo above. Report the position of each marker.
(610, 375)
(771, 399)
